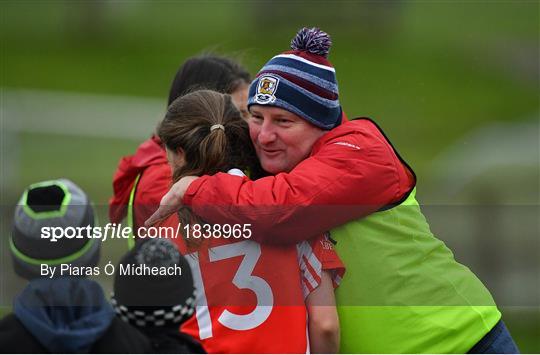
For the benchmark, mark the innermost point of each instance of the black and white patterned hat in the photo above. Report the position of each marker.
(154, 300)
(148, 317)
(59, 204)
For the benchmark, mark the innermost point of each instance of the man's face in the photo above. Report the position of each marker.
(282, 139)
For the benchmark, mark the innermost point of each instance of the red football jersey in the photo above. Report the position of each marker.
(250, 297)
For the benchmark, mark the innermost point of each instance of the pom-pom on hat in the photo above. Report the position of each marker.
(301, 80)
(46, 205)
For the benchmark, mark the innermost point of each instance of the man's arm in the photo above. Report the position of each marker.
(353, 171)
(346, 178)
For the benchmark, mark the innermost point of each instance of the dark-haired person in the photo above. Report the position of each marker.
(251, 298)
(60, 313)
(403, 292)
(216, 73)
(142, 179)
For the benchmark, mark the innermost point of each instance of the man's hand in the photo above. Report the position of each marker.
(171, 201)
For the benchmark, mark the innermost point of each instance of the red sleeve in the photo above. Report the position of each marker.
(314, 257)
(353, 171)
(324, 250)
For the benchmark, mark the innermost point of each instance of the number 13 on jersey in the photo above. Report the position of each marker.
(243, 279)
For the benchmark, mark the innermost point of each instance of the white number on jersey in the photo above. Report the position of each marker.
(243, 279)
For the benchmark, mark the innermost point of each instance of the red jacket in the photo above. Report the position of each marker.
(353, 171)
(149, 161)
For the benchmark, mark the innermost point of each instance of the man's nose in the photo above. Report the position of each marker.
(267, 133)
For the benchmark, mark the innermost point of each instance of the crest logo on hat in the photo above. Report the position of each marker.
(266, 88)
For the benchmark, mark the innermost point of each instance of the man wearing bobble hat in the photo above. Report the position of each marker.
(403, 292)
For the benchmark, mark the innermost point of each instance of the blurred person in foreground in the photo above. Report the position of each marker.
(251, 298)
(157, 305)
(67, 313)
(403, 292)
(142, 179)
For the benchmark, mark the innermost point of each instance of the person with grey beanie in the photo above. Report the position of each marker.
(60, 313)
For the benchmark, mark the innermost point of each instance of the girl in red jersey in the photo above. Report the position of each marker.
(251, 298)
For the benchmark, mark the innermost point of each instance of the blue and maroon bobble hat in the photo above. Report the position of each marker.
(301, 80)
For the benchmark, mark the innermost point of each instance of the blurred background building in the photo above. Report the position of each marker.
(454, 85)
